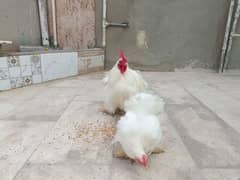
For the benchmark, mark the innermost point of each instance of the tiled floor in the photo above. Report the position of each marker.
(46, 130)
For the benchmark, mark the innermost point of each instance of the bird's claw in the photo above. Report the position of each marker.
(105, 111)
(118, 152)
(158, 150)
(119, 112)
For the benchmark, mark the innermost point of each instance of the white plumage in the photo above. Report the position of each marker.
(120, 85)
(145, 102)
(139, 131)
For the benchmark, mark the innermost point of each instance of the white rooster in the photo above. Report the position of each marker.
(139, 131)
(121, 82)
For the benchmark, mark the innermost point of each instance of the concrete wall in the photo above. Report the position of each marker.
(19, 22)
(98, 23)
(179, 34)
(234, 57)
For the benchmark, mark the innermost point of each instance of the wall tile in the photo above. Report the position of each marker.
(96, 61)
(36, 70)
(36, 64)
(13, 61)
(27, 80)
(90, 63)
(36, 60)
(16, 82)
(26, 70)
(18, 71)
(25, 60)
(4, 73)
(81, 65)
(59, 65)
(3, 62)
(14, 72)
(5, 84)
(36, 79)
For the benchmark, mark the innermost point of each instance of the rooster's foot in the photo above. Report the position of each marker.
(105, 111)
(158, 150)
(118, 152)
(120, 112)
(132, 161)
(117, 112)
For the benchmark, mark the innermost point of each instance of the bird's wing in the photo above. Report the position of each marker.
(151, 132)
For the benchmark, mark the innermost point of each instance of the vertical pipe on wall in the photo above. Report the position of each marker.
(104, 23)
(42, 8)
(226, 36)
(233, 30)
(55, 43)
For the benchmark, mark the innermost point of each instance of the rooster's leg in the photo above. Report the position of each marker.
(120, 112)
(118, 151)
(107, 111)
(158, 150)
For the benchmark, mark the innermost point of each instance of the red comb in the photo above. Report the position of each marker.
(122, 56)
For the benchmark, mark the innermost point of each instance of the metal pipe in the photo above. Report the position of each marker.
(104, 20)
(55, 43)
(124, 25)
(226, 36)
(106, 24)
(42, 8)
(233, 31)
(235, 35)
(6, 42)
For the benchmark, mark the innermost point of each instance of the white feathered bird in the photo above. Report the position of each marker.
(139, 130)
(121, 82)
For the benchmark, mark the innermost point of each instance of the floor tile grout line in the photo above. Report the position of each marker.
(207, 108)
(41, 141)
(21, 103)
(223, 91)
(27, 159)
(216, 89)
(210, 110)
(172, 125)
